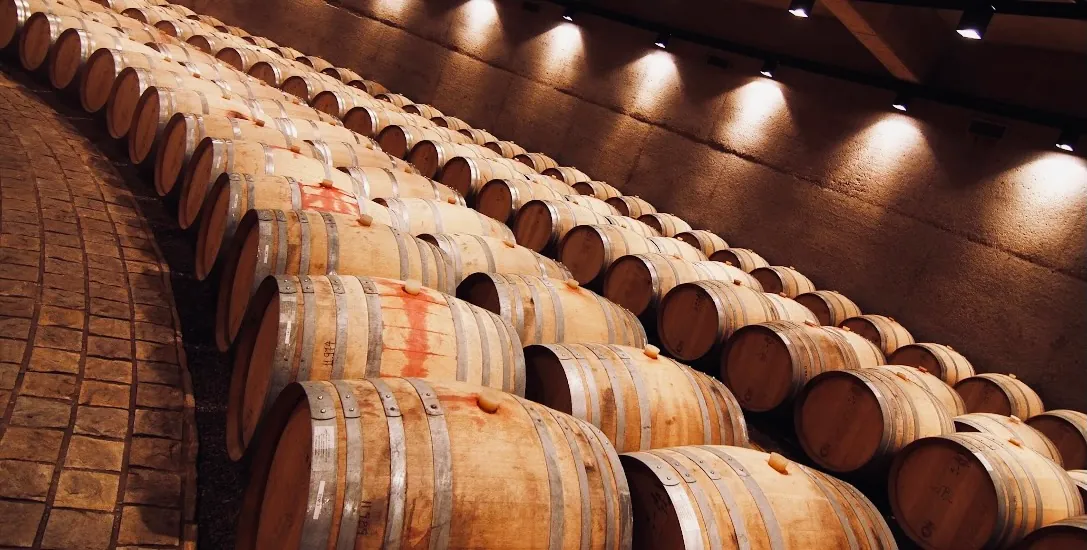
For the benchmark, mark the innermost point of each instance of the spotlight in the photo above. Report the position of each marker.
(801, 8)
(768, 68)
(901, 102)
(568, 14)
(975, 20)
(662, 40)
(1067, 140)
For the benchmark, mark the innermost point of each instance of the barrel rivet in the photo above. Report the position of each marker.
(323, 410)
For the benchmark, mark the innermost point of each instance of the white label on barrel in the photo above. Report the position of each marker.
(317, 506)
(324, 443)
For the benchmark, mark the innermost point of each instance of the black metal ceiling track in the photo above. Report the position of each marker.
(1053, 10)
(932, 93)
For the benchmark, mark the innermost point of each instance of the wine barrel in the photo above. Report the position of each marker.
(275, 72)
(470, 254)
(423, 110)
(370, 121)
(183, 29)
(206, 19)
(634, 207)
(420, 216)
(351, 327)
(1005, 428)
(589, 250)
(549, 311)
(883, 331)
(122, 5)
(308, 242)
(14, 13)
(398, 140)
(743, 258)
(480, 137)
(260, 41)
(537, 161)
(598, 206)
(451, 122)
(999, 393)
(850, 420)
(829, 307)
(213, 42)
(347, 76)
(567, 174)
(286, 52)
(706, 241)
(398, 100)
(784, 280)
(946, 394)
(235, 194)
(970, 491)
(638, 282)
(596, 189)
(501, 199)
(787, 308)
(339, 101)
(666, 224)
(171, 49)
(698, 497)
(541, 224)
(1067, 430)
(132, 82)
(243, 58)
(214, 157)
(468, 174)
(151, 14)
(694, 319)
(639, 399)
(101, 71)
(375, 183)
(363, 155)
(234, 31)
(767, 364)
(507, 149)
(316, 63)
(306, 86)
(42, 29)
(941, 360)
(431, 156)
(417, 468)
(1066, 534)
(74, 46)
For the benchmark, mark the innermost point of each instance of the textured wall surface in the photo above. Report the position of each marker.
(973, 242)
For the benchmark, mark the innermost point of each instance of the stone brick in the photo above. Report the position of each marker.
(33, 444)
(150, 351)
(155, 333)
(156, 396)
(20, 520)
(154, 487)
(105, 263)
(94, 454)
(16, 306)
(108, 369)
(87, 490)
(16, 328)
(114, 328)
(116, 294)
(63, 298)
(21, 289)
(59, 338)
(40, 413)
(149, 526)
(69, 281)
(107, 308)
(154, 452)
(11, 351)
(53, 265)
(19, 257)
(61, 317)
(25, 480)
(159, 373)
(53, 386)
(110, 348)
(104, 394)
(66, 253)
(9, 373)
(53, 360)
(153, 314)
(19, 272)
(77, 530)
(159, 423)
(102, 422)
(20, 242)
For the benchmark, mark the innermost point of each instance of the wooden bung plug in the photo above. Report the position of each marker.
(778, 463)
(296, 149)
(488, 401)
(509, 243)
(573, 284)
(1015, 419)
(1012, 376)
(451, 200)
(1016, 441)
(810, 323)
(366, 220)
(651, 351)
(413, 286)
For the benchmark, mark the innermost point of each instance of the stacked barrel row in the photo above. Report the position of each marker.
(338, 259)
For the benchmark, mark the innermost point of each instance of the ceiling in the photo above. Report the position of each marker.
(1035, 62)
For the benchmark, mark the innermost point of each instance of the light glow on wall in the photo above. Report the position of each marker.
(390, 9)
(481, 24)
(754, 110)
(656, 80)
(1052, 181)
(892, 149)
(560, 50)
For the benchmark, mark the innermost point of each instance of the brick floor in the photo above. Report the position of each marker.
(97, 430)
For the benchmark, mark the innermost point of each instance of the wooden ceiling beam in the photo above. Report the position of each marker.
(906, 41)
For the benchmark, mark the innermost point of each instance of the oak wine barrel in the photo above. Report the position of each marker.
(883, 331)
(452, 122)
(767, 364)
(102, 69)
(501, 199)
(74, 46)
(540, 224)
(638, 282)
(537, 161)
(370, 120)
(398, 140)
(946, 394)
(308, 242)
(599, 206)
(597, 189)
(306, 86)
(589, 250)
(743, 258)
(431, 156)
(830, 307)
(470, 254)
(694, 319)
(941, 360)
(706, 241)
(340, 100)
(507, 149)
(639, 399)
(399, 100)
(14, 14)
(480, 137)
(850, 420)
(1066, 534)
(779, 279)
(422, 109)
(999, 393)
(634, 207)
(550, 311)
(332, 327)
(415, 466)
(42, 29)
(668, 225)
(1009, 427)
(787, 308)
(567, 174)
(1067, 429)
(316, 63)
(468, 174)
(378, 182)
(970, 491)
(703, 496)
